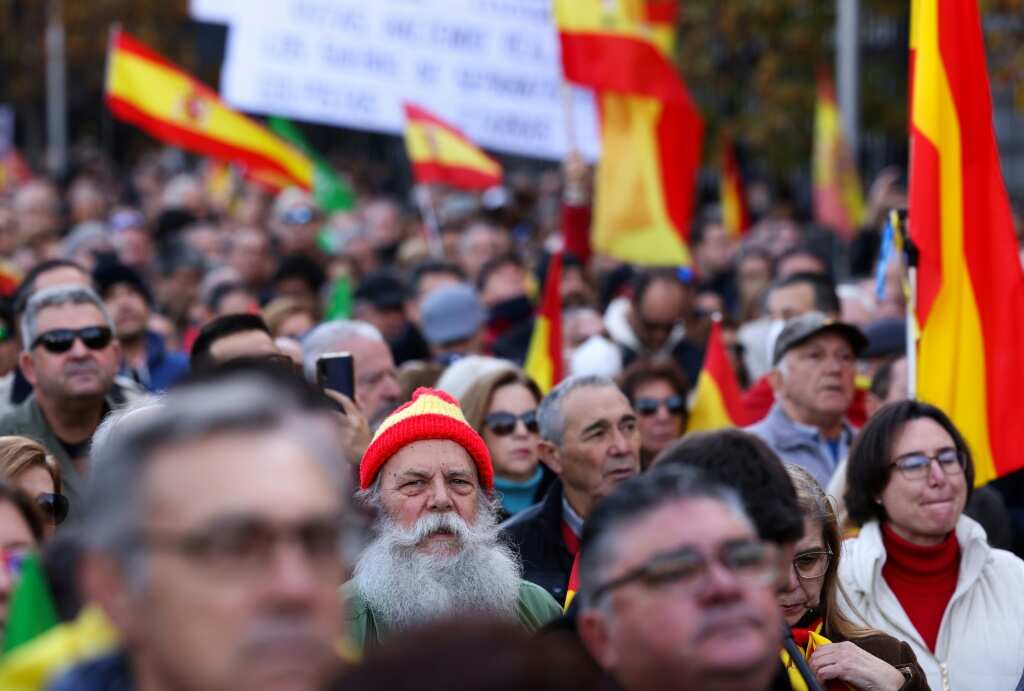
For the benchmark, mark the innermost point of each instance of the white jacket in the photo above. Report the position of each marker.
(980, 646)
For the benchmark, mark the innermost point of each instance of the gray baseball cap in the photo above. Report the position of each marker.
(801, 329)
(451, 313)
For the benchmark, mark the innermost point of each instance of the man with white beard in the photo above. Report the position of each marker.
(437, 554)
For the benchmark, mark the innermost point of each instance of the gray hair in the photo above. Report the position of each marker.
(56, 296)
(329, 337)
(631, 502)
(111, 425)
(549, 413)
(114, 499)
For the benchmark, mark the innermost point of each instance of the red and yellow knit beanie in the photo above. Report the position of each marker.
(431, 414)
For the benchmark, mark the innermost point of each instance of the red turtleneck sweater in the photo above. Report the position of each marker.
(923, 579)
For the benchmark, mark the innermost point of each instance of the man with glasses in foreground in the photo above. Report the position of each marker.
(70, 357)
(212, 542)
(676, 589)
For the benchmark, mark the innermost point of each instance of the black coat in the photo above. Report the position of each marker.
(536, 533)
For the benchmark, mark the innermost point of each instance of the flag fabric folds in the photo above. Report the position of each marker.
(717, 402)
(650, 129)
(735, 213)
(330, 191)
(544, 360)
(970, 284)
(838, 196)
(31, 611)
(144, 89)
(440, 153)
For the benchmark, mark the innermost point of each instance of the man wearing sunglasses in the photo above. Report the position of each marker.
(70, 357)
(676, 589)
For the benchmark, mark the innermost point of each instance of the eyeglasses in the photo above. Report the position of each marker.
(649, 406)
(61, 340)
(811, 565)
(246, 545)
(54, 506)
(915, 466)
(751, 561)
(503, 423)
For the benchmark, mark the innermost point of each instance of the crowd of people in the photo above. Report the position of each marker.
(209, 516)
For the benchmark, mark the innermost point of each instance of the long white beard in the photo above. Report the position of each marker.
(406, 587)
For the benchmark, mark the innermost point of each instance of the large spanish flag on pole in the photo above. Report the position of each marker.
(733, 198)
(650, 129)
(717, 402)
(440, 153)
(146, 90)
(838, 198)
(544, 360)
(970, 286)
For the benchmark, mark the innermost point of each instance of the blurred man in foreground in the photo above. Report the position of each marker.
(215, 572)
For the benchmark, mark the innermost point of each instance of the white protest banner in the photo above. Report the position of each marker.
(491, 67)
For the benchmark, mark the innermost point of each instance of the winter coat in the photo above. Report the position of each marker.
(536, 533)
(980, 646)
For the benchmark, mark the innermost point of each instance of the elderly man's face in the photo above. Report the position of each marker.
(818, 381)
(377, 389)
(600, 446)
(720, 633)
(243, 568)
(431, 476)
(81, 372)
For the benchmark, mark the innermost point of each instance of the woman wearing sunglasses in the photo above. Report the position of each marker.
(919, 569)
(21, 529)
(837, 650)
(657, 389)
(502, 407)
(25, 464)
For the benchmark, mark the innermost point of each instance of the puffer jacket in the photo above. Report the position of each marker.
(980, 646)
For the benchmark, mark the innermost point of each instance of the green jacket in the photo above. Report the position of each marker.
(535, 609)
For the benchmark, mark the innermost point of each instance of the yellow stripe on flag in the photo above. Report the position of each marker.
(427, 142)
(709, 411)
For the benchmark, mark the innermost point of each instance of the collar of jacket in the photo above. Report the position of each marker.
(789, 435)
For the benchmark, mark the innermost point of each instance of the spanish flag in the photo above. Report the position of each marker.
(838, 200)
(650, 129)
(717, 402)
(574, 583)
(440, 153)
(144, 89)
(544, 360)
(970, 285)
(735, 213)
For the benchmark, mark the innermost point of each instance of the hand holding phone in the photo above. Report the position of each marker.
(334, 371)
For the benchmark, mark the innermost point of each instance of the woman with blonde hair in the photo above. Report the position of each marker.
(502, 407)
(25, 464)
(836, 649)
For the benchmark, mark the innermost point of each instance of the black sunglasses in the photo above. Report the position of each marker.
(504, 424)
(54, 506)
(61, 340)
(649, 406)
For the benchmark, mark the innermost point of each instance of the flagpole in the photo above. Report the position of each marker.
(900, 222)
(569, 111)
(425, 200)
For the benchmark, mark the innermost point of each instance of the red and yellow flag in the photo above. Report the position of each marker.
(574, 583)
(544, 360)
(735, 213)
(970, 287)
(717, 402)
(440, 153)
(650, 129)
(838, 199)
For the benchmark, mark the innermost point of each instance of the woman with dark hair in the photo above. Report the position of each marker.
(21, 529)
(657, 389)
(502, 407)
(919, 569)
(838, 650)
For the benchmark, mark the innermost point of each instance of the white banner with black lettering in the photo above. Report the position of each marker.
(491, 67)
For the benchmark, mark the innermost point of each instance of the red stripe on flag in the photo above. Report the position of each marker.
(680, 132)
(551, 307)
(621, 64)
(926, 225)
(456, 176)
